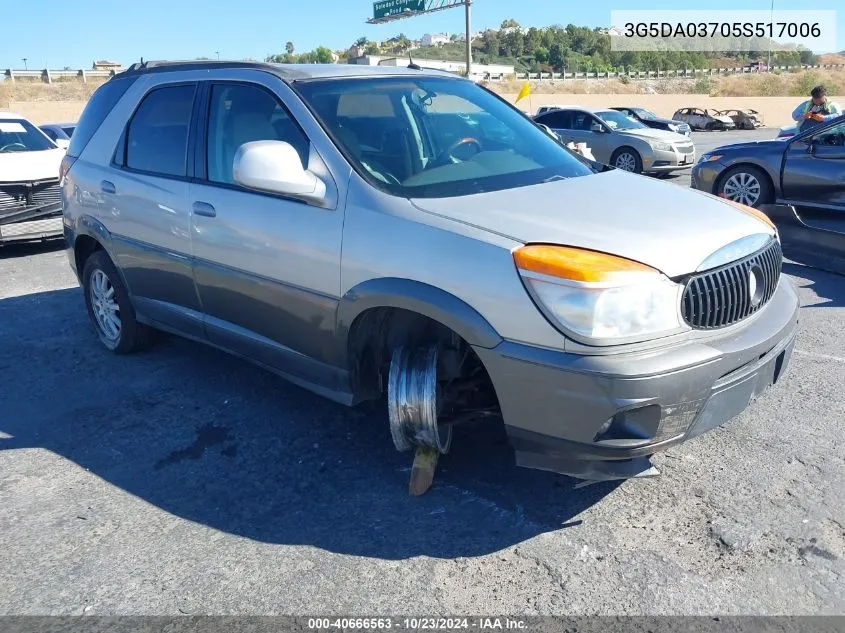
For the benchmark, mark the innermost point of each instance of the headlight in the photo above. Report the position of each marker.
(706, 158)
(661, 147)
(601, 298)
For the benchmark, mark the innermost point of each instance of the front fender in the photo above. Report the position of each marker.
(424, 299)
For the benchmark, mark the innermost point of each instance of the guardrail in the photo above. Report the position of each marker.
(653, 74)
(49, 76)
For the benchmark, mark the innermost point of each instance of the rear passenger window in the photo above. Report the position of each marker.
(157, 138)
(240, 114)
(561, 119)
(96, 111)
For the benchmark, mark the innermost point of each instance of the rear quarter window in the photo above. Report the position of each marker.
(96, 111)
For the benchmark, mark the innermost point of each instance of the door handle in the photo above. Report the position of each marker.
(204, 209)
(107, 186)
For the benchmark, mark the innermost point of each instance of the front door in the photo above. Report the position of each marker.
(267, 267)
(814, 170)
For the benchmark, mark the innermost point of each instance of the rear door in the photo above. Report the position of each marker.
(143, 202)
(814, 169)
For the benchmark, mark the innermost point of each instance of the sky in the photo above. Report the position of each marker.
(79, 31)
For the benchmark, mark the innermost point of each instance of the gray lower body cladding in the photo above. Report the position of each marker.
(600, 417)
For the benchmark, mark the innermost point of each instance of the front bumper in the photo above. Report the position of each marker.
(30, 210)
(706, 175)
(673, 160)
(39, 229)
(600, 417)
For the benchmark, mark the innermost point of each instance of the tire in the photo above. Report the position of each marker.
(110, 309)
(629, 157)
(743, 182)
(710, 127)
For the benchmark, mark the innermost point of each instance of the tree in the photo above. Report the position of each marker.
(510, 24)
(323, 55)
(555, 57)
(289, 48)
(361, 41)
(372, 49)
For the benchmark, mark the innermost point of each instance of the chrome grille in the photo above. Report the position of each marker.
(22, 196)
(726, 295)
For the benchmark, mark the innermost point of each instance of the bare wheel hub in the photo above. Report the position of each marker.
(413, 401)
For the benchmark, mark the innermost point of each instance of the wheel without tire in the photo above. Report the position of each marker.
(413, 400)
(627, 159)
(747, 185)
(110, 309)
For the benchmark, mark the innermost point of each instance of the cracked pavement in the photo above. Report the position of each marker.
(182, 480)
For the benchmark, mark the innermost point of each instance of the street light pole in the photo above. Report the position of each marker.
(467, 4)
(771, 19)
(218, 54)
(25, 67)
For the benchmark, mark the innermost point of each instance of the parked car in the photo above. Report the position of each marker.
(56, 134)
(743, 119)
(618, 140)
(30, 197)
(807, 170)
(548, 108)
(338, 225)
(701, 119)
(650, 119)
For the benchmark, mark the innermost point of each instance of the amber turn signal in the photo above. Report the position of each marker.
(577, 264)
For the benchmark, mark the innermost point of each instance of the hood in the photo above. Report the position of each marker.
(667, 136)
(655, 223)
(723, 118)
(669, 121)
(25, 166)
(755, 147)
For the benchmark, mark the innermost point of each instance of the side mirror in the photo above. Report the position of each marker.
(275, 166)
(62, 143)
(597, 127)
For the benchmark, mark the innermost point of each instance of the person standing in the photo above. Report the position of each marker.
(815, 110)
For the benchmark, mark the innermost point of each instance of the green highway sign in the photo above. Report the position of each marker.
(384, 8)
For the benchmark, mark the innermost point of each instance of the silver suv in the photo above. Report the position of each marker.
(402, 234)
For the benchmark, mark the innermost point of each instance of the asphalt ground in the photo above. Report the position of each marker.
(185, 481)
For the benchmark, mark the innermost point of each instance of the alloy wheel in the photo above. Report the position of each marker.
(742, 187)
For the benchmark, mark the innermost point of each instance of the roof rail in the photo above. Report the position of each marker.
(204, 64)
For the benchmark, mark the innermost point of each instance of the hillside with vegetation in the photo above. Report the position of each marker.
(550, 49)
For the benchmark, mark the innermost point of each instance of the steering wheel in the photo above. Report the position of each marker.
(448, 154)
(5, 147)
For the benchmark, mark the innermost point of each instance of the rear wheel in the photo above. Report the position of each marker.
(627, 159)
(747, 185)
(110, 308)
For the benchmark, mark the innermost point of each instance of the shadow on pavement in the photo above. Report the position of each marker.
(215, 440)
(24, 249)
(828, 287)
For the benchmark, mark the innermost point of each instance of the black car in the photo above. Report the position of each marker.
(650, 119)
(807, 170)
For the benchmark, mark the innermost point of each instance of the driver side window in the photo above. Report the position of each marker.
(240, 114)
(834, 137)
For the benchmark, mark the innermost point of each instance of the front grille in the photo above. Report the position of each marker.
(686, 149)
(18, 198)
(726, 295)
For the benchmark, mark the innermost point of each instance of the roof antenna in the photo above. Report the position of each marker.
(411, 63)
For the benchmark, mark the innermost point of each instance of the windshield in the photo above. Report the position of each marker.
(618, 120)
(428, 137)
(17, 135)
(645, 114)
